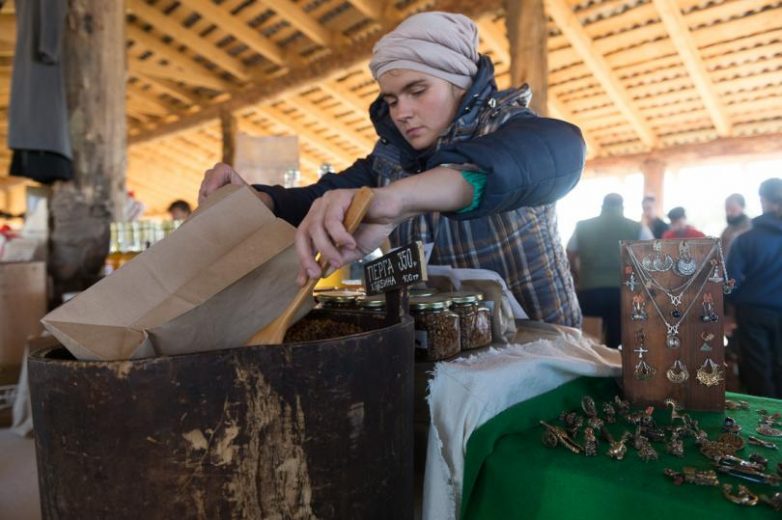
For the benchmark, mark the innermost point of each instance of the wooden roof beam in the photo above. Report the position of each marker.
(190, 39)
(369, 8)
(334, 124)
(685, 45)
(315, 140)
(301, 20)
(342, 58)
(567, 22)
(189, 68)
(240, 30)
(499, 48)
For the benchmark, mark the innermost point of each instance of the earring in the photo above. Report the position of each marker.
(708, 308)
(678, 373)
(710, 373)
(639, 308)
(631, 282)
(685, 265)
(706, 337)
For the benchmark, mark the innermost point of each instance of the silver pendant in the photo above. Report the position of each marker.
(715, 277)
(657, 262)
(685, 265)
(644, 371)
(672, 337)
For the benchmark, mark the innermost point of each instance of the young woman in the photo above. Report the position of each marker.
(458, 164)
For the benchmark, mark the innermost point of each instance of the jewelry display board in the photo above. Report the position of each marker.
(672, 322)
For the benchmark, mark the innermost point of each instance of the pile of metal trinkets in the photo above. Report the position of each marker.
(582, 431)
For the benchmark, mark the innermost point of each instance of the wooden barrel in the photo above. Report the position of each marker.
(321, 429)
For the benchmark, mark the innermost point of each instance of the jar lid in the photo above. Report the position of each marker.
(372, 302)
(465, 297)
(422, 292)
(337, 296)
(432, 303)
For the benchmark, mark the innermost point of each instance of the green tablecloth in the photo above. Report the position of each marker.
(510, 474)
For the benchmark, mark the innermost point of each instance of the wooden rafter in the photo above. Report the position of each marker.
(298, 18)
(342, 58)
(372, 9)
(335, 125)
(567, 22)
(685, 45)
(188, 68)
(196, 43)
(295, 128)
(232, 25)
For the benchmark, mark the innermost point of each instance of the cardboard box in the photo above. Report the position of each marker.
(22, 305)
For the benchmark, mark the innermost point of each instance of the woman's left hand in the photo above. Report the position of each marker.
(322, 231)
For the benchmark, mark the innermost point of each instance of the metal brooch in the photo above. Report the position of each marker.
(742, 496)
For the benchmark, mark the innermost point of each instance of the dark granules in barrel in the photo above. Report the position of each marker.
(320, 329)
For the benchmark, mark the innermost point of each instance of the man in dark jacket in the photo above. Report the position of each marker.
(594, 256)
(738, 221)
(755, 262)
(459, 165)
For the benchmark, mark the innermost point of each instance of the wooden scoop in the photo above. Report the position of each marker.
(274, 332)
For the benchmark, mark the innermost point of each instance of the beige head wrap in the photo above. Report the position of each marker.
(444, 45)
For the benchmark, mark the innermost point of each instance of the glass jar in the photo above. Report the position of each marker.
(466, 305)
(482, 332)
(373, 304)
(436, 328)
(338, 299)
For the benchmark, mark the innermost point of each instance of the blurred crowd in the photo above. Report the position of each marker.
(752, 248)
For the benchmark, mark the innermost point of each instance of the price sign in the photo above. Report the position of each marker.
(399, 268)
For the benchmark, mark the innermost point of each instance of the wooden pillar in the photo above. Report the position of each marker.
(229, 127)
(654, 176)
(95, 75)
(528, 37)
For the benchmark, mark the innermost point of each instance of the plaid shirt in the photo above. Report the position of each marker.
(522, 245)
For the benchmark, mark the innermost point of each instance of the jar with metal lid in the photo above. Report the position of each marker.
(338, 299)
(436, 328)
(373, 304)
(474, 329)
(422, 292)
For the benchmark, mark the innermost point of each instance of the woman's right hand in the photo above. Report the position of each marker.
(221, 174)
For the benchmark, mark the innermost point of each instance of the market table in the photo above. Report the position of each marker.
(510, 474)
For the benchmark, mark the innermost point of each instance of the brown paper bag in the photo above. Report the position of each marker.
(225, 273)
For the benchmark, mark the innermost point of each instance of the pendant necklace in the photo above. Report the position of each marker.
(674, 295)
(672, 340)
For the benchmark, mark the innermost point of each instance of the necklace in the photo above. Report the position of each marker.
(676, 299)
(672, 340)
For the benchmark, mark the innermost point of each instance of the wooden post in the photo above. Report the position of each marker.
(229, 128)
(528, 37)
(95, 75)
(654, 176)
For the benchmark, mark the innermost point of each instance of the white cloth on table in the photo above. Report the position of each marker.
(467, 392)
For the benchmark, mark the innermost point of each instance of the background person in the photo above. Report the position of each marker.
(755, 262)
(650, 218)
(679, 227)
(179, 210)
(595, 259)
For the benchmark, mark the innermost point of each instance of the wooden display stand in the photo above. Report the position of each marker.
(669, 350)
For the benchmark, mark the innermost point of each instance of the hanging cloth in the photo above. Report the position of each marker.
(38, 116)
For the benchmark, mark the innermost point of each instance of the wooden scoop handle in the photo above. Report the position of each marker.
(274, 332)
